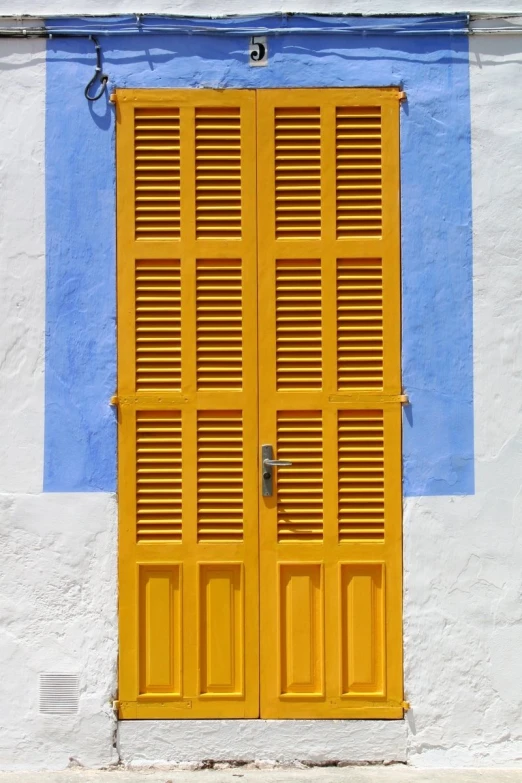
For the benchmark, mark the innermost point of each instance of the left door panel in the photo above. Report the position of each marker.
(187, 404)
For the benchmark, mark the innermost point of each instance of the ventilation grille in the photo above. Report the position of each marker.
(298, 172)
(359, 324)
(59, 694)
(300, 488)
(158, 325)
(219, 343)
(361, 476)
(298, 325)
(158, 479)
(220, 476)
(157, 173)
(218, 173)
(359, 170)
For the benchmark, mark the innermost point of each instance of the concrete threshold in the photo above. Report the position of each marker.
(393, 773)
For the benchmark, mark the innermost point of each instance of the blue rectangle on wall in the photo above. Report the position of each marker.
(418, 54)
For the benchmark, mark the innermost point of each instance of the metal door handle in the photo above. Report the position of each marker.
(267, 469)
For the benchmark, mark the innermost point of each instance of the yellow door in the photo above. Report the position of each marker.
(329, 402)
(187, 388)
(225, 592)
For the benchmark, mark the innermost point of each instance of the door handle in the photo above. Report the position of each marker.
(267, 469)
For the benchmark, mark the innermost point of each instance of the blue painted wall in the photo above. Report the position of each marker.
(80, 426)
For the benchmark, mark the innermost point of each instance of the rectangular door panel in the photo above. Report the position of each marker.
(160, 629)
(301, 630)
(362, 629)
(221, 622)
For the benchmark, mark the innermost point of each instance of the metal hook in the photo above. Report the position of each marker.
(97, 73)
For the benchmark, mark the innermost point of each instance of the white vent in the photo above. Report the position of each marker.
(59, 694)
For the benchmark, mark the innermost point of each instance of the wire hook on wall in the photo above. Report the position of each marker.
(97, 74)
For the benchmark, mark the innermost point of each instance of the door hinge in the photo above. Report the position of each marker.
(405, 705)
(116, 705)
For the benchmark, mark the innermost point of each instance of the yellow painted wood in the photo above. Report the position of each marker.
(330, 399)
(208, 569)
(187, 404)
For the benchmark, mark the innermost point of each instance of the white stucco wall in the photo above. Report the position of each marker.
(211, 8)
(22, 259)
(463, 556)
(58, 552)
(57, 614)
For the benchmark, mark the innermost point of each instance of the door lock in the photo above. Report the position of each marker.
(267, 469)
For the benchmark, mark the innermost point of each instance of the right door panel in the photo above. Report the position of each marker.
(329, 396)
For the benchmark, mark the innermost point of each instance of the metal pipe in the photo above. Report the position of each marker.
(197, 29)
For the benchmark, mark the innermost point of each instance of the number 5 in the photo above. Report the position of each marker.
(258, 50)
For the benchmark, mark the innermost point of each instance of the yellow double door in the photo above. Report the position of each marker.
(259, 306)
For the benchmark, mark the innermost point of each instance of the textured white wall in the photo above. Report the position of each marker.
(58, 552)
(463, 556)
(57, 614)
(213, 8)
(22, 263)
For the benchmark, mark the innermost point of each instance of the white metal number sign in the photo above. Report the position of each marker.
(258, 50)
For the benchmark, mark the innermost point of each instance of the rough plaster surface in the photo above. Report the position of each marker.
(22, 264)
(213, 8)
(142, 743)
(57, 614)
(58, 576)
(463, 580)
